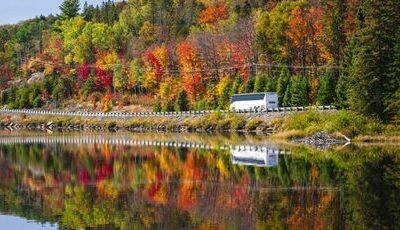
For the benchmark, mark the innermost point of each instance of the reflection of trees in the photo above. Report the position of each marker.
(373, 191)
(119, 187)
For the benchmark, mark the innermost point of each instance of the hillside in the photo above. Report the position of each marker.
(194, 54)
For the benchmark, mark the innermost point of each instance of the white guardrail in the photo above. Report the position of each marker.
(160, 114)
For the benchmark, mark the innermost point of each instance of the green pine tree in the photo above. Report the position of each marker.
(287, 97)
(157, 105)
(69, 9)
(225, 98)
(168, 106)
(282, 85)
(333, 36)
(392, 97)
(342, 86)
(342, 92)
(369, 78)
(326, 90)
(250, 85)
(271, 84)
(181, 103)
(236, 85)
(260, 82)
(299, 91)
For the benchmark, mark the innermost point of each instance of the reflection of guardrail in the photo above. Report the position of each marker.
(159, 114)
(127, 141)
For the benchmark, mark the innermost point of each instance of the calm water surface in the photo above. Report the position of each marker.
(165, 181)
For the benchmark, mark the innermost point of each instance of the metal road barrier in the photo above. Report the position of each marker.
(38, 112)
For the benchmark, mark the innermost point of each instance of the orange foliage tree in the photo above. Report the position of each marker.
(156, 62)
(214, 14)
(191, 70)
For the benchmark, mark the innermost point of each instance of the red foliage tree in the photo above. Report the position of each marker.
(239, 62)
(104, 78)
(193, 86)
(159, 72)
(84, 71)
(6, 72)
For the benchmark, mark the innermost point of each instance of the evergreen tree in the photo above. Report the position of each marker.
(168, 106)
(22, 99)
(270, 85)
(260, 82)
(369, 80)
(333, 21)
(287, 97)
(250, 85)
(12, 95)
(157, 105)
(69, 9)
(299, 91)
(236, 85)
(225, 98)
(88, 12)
(34, 93)
(88, 87)
(38, 102)
(342, 87)
(326, 91)
(392, 97)
(282, 85)
(181, 103)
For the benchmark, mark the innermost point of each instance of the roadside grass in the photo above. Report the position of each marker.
(357, 127)
(347, 123)
(217, 121)
(211, 122)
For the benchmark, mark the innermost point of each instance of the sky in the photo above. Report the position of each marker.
(14, 11)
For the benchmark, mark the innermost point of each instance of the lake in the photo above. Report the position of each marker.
(187, 181)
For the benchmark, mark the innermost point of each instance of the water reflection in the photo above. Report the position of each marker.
(256, 156)
(17, 223)
(253, 154)
(212, 184)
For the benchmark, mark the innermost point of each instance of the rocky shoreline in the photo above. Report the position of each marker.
(321, 140)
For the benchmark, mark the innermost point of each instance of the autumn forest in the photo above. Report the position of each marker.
(194, 54)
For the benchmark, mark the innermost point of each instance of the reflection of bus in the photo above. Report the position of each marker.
(254, 101)
(253, 156)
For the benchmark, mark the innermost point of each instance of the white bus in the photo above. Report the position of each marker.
(254, 101)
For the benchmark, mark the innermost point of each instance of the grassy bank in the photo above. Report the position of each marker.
(357, 127)
(350, 124)
(207, 123)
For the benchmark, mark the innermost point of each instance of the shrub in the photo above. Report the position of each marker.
(237, 122)
(181, 103)
(253, 124)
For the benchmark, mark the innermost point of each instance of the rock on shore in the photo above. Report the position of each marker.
(320, 140)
